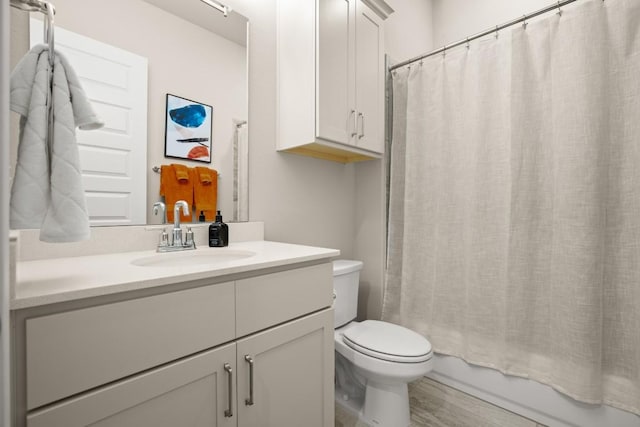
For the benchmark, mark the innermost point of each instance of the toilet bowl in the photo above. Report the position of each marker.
(374, 360)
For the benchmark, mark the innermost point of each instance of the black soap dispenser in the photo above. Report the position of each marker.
(218, 233)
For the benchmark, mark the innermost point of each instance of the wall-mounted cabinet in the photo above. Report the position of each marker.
(331, 78)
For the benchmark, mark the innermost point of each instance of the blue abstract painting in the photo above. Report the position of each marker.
(188, 129)
(190, 116)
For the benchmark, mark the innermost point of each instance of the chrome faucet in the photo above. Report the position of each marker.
(176, 243)
(160, 206)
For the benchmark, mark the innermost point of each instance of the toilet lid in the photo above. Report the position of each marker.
(387, 341)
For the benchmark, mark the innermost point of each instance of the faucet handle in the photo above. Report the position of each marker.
(189, 242)
(164, 238)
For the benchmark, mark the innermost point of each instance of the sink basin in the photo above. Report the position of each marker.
(197, 257)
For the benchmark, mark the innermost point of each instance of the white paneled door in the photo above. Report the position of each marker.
(114, 158)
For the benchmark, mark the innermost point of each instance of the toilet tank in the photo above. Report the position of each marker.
(346, 278)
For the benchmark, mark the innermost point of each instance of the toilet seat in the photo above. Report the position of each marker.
(387, 341)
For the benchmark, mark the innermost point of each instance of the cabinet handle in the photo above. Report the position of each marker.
(355, 123)
(249, 401)
(362, 122)
(229, 412)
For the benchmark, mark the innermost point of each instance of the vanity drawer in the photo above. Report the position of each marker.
(77, 350)
(275, 298)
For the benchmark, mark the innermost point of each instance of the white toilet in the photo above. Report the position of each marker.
(374, 360)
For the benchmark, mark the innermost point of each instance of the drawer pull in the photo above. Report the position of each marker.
(249, 401)
(229, 412)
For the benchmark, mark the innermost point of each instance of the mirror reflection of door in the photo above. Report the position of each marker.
(116, 83)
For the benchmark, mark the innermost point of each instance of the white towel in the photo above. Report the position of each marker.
(52, 200)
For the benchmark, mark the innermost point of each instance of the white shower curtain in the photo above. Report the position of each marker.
(514, 218)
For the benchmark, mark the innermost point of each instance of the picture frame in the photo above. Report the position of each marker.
(188, 129)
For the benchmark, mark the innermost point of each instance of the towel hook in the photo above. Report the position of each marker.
(48, 31)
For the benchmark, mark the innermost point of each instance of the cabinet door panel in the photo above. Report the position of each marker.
(64, 349)
(192, 392)
(267, 300)
(335, 91)
(370, 79)
(293, 374)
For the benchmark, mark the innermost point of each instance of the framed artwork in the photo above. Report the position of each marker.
(188, 129)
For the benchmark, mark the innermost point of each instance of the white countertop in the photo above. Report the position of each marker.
(65, 279)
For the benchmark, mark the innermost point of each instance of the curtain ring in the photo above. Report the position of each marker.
(468, 44)
(444, 50)
(524, 22)
(559, 9)
(497, 34)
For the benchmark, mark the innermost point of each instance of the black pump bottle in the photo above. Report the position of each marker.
(218, 233)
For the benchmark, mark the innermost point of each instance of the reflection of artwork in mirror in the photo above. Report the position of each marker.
(188, 129)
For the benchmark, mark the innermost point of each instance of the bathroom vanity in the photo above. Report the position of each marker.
(209, 338)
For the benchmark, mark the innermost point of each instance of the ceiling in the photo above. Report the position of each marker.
(233, 27)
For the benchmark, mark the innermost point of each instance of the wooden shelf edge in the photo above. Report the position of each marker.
(333, 154)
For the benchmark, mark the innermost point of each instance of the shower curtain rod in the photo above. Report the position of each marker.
(557, 6)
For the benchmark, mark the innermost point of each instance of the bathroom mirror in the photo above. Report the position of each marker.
(192, 51)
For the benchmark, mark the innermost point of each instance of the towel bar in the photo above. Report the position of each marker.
(156, 169)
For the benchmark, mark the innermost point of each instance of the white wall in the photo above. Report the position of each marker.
(409, 30)
(456, 19)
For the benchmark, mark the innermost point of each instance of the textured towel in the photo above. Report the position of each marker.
(182, 172)
(49, 195)
(204, 176)
(174, 189)
(205, 191)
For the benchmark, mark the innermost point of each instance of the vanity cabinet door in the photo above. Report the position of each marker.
(193, 392)
(292, 374)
